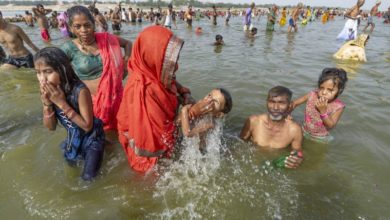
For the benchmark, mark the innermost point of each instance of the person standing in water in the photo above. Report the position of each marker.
(228, 16)
(98, 61)
(370, 20)
(214, 15)
(12, 37)
(272, 18)
(67, 100)
(40, 13)
(349, 31)
(294, 18)
(248, 17)
(28, 18)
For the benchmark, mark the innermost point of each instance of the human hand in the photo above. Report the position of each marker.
(45, 96)
(188, 99)
(294, 160)
(322, 105)
(55, 93)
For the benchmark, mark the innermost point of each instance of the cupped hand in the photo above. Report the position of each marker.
(322, 105)
(55, 93)
(293, 162)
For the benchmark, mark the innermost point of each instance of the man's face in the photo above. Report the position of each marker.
(278, 107)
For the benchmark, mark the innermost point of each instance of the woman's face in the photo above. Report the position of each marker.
(46, 74)
(83, 28)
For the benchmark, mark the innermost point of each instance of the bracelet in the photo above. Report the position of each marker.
(323, 116)
(48, 115)
(47, 104)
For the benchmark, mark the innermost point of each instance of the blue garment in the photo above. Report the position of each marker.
(248, 17)
(79, 144)
(291, 22)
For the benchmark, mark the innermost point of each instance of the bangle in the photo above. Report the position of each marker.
(48, 105)
(48, 115)
(323, 116)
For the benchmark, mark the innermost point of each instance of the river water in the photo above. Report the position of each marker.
(345, 179)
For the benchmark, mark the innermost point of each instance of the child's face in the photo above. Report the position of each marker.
(328, 90)
(46, 74)
(218, 102)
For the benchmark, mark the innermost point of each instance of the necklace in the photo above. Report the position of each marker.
(84, 45)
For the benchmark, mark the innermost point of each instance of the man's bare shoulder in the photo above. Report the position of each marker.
(257, 118)
(294, 127)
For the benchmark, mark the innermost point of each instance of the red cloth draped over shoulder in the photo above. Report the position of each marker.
(146, 116)
(109, 94)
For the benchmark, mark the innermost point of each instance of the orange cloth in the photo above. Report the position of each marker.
(109, 94)
(146, 116)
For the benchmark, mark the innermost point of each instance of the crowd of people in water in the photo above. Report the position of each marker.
(81, 82)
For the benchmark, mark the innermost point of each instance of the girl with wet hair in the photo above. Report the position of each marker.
(67, 100)
(323, 108)
(98, 61)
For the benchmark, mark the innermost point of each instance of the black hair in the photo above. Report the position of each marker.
(95, 11)
(218, 36)
(254, 29)
(78, 10)
(26, 12)
(57, 59)
(228, 100)
(2, 54)
(1, 14)
(39, 6)
(280, 91)
(338, 77)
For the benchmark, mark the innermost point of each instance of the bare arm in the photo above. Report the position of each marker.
(35, 11)
(294, 161)
(127, 46)
(48, 11)
(246, 130)
(26, 39)
(186, 127)
(49, 119)
(331, 121)
(298, 102)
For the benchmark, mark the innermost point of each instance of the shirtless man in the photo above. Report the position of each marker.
(116, 19)
(40, 13)
(53, 20)
(349, 31)
(373, 12)
(272, 130)
(294, 18)
(28, 18)
(100, 22)
(188, 16)
(12, 37)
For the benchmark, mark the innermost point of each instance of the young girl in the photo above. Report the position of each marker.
(323, 108)
(66, 99)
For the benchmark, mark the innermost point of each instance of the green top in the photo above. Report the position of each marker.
(87, 67)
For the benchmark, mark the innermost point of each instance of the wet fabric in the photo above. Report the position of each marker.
(109, 94)
(79, 144)
(313, 122)
(27, 61)
(146, 116)
(353, 49)
(62, 24)
(271, 24)
(291, 22)
(349, 31)
(283, 19)
(86, 66)
(45, 34)
(248, 17)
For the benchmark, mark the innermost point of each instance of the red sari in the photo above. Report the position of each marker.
(146, 115)
(109, 94)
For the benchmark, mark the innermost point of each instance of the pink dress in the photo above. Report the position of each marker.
(313, 122)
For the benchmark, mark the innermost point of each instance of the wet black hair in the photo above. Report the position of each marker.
(95, 11)
(254, 29)
(280, 91)
(40, 6)
(26, 12)
(2, 54)
(228, 100)
(337, 75)
(78, 10)
(57, 59)
(218, 36)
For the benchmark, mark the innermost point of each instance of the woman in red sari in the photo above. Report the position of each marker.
(146, 115)
(97, 60)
